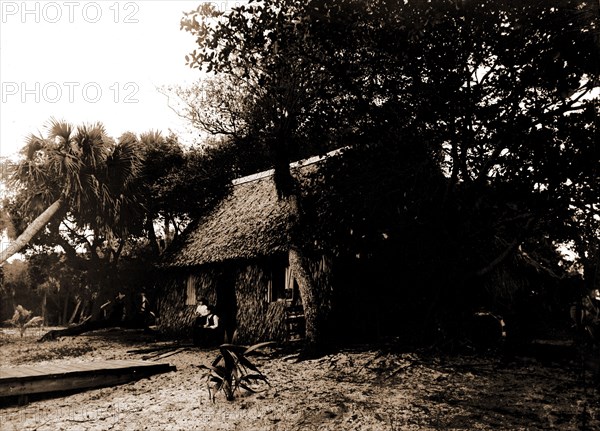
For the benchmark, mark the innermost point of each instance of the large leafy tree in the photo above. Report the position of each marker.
(178, 183)
(500, 94)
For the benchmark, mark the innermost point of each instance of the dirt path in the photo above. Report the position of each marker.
(350, 390)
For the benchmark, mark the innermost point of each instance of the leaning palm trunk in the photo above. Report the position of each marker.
(33, 229)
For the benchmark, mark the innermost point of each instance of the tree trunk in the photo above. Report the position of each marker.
(315, 313)
(65, 312)
(168, 237)
(288, 188)
(44, 306)
(32, 230)
(72, 319)
(313, 344)
(87, 326)
(152, 235)
(85, 309)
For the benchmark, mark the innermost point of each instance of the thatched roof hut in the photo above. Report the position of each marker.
(236, 257)
(251, 222)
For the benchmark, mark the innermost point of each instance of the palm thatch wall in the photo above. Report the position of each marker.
(258, 319)
(177, 317)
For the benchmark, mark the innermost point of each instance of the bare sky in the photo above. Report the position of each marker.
(88, 61)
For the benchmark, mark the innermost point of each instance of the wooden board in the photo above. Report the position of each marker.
(35, 379)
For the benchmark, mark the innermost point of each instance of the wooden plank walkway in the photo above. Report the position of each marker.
(35, 379)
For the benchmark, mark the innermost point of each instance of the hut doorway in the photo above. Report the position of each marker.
(226, 304)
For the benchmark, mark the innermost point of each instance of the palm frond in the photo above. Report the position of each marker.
(60, 130)
(92, 141)
(123, 165)
(258, 346)
(37, 320)
(33, 144)
(151, 137)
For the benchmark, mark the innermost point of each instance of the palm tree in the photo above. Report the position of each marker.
(80, 171)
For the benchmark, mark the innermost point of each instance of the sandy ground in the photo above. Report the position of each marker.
(354, 389)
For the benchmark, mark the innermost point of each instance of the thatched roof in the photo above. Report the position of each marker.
(249, 223)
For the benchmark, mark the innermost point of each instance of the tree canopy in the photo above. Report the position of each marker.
(501, 97)
(500, 94)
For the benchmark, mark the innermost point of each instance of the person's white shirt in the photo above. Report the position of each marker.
(215, 320)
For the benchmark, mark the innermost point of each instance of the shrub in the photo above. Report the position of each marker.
(232, 370)
(23, 319)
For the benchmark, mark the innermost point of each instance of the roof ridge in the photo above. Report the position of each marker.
(298, 164)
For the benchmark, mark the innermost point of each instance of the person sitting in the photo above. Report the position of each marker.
(213, 328)
(198, 332)
(201, 312)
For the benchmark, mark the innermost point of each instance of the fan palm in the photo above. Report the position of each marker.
(77, 170)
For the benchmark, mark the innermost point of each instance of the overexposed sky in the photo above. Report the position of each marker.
(89, 61)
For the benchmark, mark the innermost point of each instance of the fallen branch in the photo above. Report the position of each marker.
(167, 354)
(154, 349)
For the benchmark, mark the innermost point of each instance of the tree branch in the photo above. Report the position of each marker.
(502, 256)
(498, 260)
